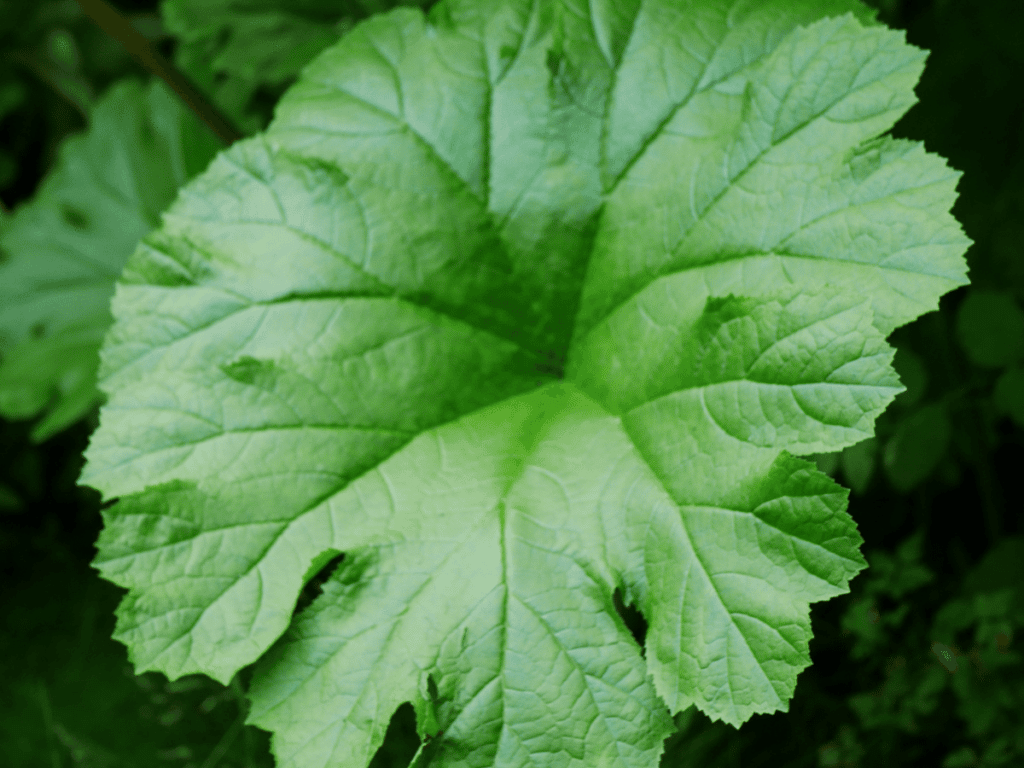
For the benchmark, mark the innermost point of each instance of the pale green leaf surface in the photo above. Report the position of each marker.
(67, 246)
(467, 315)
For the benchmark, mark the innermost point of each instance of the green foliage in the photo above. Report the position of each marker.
(919, 665)
(237, 48)
(54, 63)
(1009, 394)
(931, 667)
(70, 698)
(918, 445)
(68, 245)
(518, 307)
(967, 665)
(991, 328)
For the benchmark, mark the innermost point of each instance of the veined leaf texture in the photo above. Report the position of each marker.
(516, 304)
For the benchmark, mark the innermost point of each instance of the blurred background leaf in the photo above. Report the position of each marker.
(245, 53)
(65, 248)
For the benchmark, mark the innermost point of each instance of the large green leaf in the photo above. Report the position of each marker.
(67, 245)
(516, 306)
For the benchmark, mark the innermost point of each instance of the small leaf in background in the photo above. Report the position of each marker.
(233, 50)
(863, 620)
(858, 463)
(9, 500)
(917, 447)
(63, 50)
(261, 41)
(913, 375)
(827, 463)
(1002, 567)
(896, 575)
(842, 752)
(891, 577)
(990, 327)
(965, 757)
(68, 244)
(12, 94)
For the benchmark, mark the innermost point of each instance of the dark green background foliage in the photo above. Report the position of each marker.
(919, 666)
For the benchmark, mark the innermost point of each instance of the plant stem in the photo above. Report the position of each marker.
(111, 21)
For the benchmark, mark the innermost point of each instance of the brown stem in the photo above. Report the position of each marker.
(111, 21)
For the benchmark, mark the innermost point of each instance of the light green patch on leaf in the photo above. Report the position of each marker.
(515, 307)
(68, 245)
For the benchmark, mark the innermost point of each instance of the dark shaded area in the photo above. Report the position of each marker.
(315, 586)
(400, 741)
(634, 620)
(70, 696)
(51, 59)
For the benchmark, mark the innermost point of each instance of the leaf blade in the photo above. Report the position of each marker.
(501, 399)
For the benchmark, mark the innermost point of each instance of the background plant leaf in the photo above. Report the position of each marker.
(68, 244)
(235, 48)
(991, 328)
